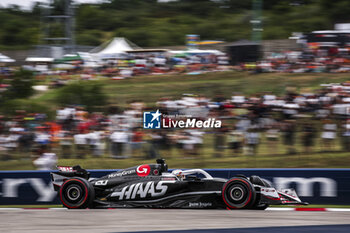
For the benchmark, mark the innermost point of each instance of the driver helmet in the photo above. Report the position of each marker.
(178, 173)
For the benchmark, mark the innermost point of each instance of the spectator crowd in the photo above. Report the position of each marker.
(125, 66)
(329, 59)
(262, 123)
(294, 121)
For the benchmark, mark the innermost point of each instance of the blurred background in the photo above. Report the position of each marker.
(76, 77)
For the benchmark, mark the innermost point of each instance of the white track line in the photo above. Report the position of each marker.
(337, 209)
(280, 209)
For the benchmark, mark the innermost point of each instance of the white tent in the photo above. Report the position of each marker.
(114, 48)
(5, 59)
(88, 59)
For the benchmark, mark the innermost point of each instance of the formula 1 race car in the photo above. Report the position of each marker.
(152, 186)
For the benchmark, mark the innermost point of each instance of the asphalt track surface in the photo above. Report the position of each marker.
(172, 220)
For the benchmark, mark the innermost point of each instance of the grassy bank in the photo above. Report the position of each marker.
(176, 159)
(150, 88)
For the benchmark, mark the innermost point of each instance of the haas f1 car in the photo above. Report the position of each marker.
(152, 186)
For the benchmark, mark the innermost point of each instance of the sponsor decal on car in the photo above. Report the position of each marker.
(65, 169)
(199, 204)
(123, 173)
(101, 182)
(270, 192)
(143, 170)
(142, 190)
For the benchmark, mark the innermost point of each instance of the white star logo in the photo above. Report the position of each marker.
(155, 115)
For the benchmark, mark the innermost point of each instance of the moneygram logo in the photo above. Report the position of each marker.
(153, 120)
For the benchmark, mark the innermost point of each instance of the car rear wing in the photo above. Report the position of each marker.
(65, 172)
(72, 171)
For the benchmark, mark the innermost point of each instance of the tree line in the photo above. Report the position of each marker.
(149, 23)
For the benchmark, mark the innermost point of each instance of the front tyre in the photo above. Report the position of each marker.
(238, 193)
(76, 193)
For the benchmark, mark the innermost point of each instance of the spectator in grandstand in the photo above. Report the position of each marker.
(191, 140)
(66, 144)
(12, 141)
(235, 141)
(328, 134)
(95, 141)
(289, 131)
(252, 140)
(273, 136)
(345, 133)
(119, 140)
(219, 141)
(80, 142)
(46, 160)
(155, 141)
(137, 141)
(308, 136)
(3, 149)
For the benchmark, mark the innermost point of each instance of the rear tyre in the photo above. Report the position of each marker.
(76, 193)
(238, 193)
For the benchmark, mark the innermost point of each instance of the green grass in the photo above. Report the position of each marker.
(150, 88)
(267, 157)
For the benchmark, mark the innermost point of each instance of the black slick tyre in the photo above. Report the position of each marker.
(238, 193)
(76, 193)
